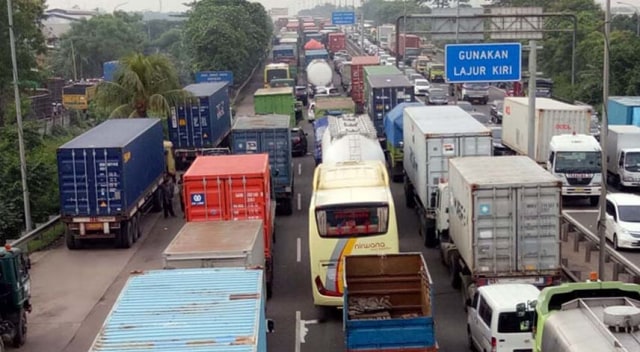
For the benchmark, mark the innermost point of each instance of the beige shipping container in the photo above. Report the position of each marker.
(216, 244)
(552, 118)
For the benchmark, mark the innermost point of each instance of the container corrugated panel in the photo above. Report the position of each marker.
(201, 121)
(357, 75)
(108, 169)
(385, 92)
(266, 134)
(279, 101)
(230, 187)
(505, 217)
(191, 310)
(624, 111)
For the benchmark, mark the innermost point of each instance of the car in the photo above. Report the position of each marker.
(413, 76)
(437, 96)
(299, 145)
(499, 149)
(466, 106)
(622, 226)
(496, 111)
(391, 61)
(420, 86)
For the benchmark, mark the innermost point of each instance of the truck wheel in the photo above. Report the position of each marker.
(430, 238)
(156, 205)
(409, 199)
(454, 271)
(135, 228)
(594, 201)
(21, 329)
(125, 239)
(72, 243)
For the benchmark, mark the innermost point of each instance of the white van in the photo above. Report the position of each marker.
(500, 318)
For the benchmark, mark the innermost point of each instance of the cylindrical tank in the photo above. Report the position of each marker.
(351, 147)
(319, 73)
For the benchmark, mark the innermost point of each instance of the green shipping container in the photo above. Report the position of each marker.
(279, 101)
(377, 70)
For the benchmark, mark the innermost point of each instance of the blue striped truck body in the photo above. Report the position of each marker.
(107, 175)
(200, 124)
(268, 134)
(403, 281)
(190, 310)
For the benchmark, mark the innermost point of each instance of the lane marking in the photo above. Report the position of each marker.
(298, 250)
(299, 201)
(299, 169)
(581, 211)
(297, 333)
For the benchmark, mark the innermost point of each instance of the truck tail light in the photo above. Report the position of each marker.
(494, 344)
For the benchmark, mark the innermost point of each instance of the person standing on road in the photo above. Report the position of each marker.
(167, 190)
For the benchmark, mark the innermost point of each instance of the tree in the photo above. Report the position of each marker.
(29, 44)
(96, 40)
(143, 85)
(227, 35)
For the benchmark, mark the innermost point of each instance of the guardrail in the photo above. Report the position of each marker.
(585, 243)
(36, 234)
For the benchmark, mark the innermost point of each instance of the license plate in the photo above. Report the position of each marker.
(93, 226)
(579, 189)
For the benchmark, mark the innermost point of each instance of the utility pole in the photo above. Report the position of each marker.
(533, 67)
(362, 25)
(16, 93)
(604, 128)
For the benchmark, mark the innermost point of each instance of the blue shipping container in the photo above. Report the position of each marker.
(624, 111)
(283, 51)
(207, 310)
(202, 121)
(108, 169)
(393, 123)
(267, 134)
(310, 55)
(385, 92)
(109, 69)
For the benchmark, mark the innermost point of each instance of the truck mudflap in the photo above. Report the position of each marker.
(269, 275)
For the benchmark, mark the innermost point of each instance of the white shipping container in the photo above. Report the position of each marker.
(552, 118)
(504, 216)
(433, 135)
(217, 244)
(621, 137)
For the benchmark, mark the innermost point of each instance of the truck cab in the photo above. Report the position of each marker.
(628, 160)
(15, 295)
(575, 159)
(623, 155)
(475, 93)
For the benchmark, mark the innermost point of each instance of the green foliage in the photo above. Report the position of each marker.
(46, 239)
(99, 39)
(382, 12)
(227, 35)
(143, 84)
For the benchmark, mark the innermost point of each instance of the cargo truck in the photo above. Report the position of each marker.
(432, 135)
(623, 155)
(325, 106)
(357, 79)
(623, 111)
(336, 42)
(407, 48)
(200, 124)
(232, 187)
(319, 73)
(575, 159)
(504, 223)
(210, 309)
(588, 316)
(395, 144)
(108, 177)
(477, 92)
(401, 319)
(281, 101)
(552, 118)
(269, 134)
(275, 71)
(384, 92)
(16, 296)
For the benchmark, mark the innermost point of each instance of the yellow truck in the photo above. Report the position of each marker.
(78, 96)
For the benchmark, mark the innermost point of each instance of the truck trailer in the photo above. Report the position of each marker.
(388, 303)
(623, 155)
(504, 223)
(108, 177)
(432, 135)
(350, 138)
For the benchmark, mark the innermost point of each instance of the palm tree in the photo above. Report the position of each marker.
(142, 85)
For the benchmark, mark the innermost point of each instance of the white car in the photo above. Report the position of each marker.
(391, 61)
(622, 227)
(421, 86)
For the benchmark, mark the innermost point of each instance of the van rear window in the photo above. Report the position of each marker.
(512, 323)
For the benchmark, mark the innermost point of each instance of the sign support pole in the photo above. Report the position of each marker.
(532, 98)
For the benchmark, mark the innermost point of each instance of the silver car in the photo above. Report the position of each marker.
(437, 96)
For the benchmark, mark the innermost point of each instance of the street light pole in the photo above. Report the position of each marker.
(16, 93)
(636, 12)
(604, 127)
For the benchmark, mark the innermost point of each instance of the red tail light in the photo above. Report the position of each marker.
(494, 344)
(323, 291)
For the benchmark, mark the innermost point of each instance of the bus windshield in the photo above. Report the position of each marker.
(352, 221)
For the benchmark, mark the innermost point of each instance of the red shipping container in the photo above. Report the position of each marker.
(412, 41)
(336, 42)
(231, 187)
(357, 76)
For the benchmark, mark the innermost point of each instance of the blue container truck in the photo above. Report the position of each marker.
(200, 124)
(384, 93)
(283, 52)
(269, 134)
(318, 54)
(624, 111)
(388, 303)
(109, 69)
(108, 177)
(188, 310)
(393, 132)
